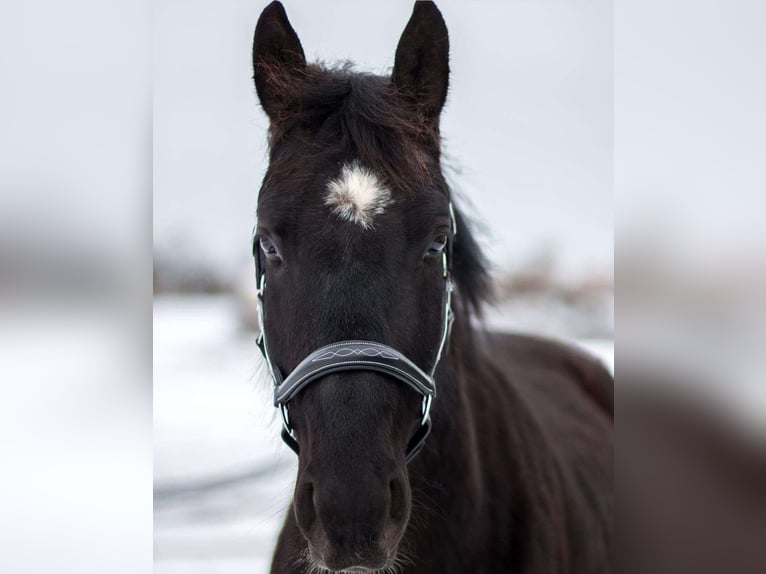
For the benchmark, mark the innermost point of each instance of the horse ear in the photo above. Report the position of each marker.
(421, 67)
(277, 54)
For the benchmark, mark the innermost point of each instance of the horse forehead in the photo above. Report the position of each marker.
(357, 195)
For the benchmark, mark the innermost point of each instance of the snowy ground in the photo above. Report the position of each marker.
(223, 479)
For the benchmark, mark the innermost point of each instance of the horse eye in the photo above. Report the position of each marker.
(437, 245)
(269, 249)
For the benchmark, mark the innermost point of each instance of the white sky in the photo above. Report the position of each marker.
(528, 119)
(691, 124)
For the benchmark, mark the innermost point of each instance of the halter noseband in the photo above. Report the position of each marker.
(359, 356)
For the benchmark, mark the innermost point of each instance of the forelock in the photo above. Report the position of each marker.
(360, 116)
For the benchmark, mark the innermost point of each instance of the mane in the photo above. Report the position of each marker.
(470, 268)
(363, 115)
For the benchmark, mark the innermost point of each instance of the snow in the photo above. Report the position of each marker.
(222, 478)
(75, 420)
(600, 348)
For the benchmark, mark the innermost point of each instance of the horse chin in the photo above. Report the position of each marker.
(318, 565)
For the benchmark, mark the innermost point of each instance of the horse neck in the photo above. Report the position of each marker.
(467, 466)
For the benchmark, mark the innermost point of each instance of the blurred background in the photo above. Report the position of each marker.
(563, 116)
(75, 286)
(690, 216)
(528, 137)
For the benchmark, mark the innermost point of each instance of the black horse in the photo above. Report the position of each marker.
(358, 249)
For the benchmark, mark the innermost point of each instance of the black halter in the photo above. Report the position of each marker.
(359, 356)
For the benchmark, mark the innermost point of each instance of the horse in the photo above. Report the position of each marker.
(425, 442)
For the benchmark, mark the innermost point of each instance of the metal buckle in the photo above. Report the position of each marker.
(259, 311)
(286, 419)
(261, 285)
(425, 409)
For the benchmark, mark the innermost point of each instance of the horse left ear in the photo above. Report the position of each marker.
(277, 57)
(421, 67)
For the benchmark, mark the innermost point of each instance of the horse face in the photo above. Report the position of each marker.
(353, 217)
(331, 277)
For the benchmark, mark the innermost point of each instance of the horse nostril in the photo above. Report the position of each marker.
(396, 491)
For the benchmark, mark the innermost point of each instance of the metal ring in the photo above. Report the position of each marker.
(286, 419)
(426, 409)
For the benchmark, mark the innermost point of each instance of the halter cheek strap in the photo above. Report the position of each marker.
(359, 356)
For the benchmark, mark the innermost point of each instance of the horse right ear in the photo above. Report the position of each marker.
(277, 55)
(421, 67)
